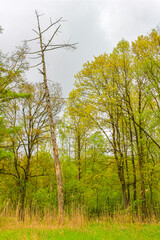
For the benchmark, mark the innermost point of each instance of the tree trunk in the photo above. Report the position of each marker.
(54, 145)
(79, 156)
(134, 167)
(151, 201)
(22, 201)
(52, 130)
(120, 167)
(141, 158)
(123, 185)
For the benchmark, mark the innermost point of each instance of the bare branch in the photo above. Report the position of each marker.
(50, 21)
(35, 57)
(52, 24)
(36, 65)
(61, 46)
(33, 39)
(39, 15)
(72, 45)
(35, 31)
(33, 52)
(8, 173)
(40, 175)
(41, 71)
(51, 38)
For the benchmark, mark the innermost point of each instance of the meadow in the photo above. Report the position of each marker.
(78, 228)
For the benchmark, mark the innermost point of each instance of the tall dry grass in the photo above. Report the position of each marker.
(75, 219)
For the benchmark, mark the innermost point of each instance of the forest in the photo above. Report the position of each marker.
(106, 135)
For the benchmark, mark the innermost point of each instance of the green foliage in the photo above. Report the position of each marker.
(117, 94)
(108, 137)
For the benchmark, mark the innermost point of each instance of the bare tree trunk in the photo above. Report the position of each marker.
(41, 54)
(52, 129)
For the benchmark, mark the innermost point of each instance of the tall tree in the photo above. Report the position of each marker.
(44, 47)
(28, 117)
(114, 91)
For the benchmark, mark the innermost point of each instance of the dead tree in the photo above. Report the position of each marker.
(40, 54)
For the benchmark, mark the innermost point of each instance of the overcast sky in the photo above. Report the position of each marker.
(97, 25)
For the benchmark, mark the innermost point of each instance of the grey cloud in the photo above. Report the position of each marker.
(96, 24)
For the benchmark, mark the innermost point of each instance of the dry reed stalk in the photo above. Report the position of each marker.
(75, 220)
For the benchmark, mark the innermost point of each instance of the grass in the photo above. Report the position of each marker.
(91, 232)
(77, 229)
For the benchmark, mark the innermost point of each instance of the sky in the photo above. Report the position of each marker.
(97, 26)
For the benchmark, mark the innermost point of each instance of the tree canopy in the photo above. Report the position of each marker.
(108, 137)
